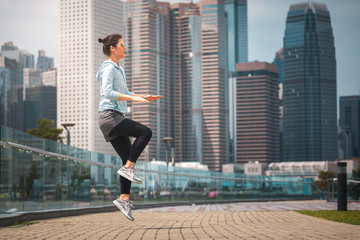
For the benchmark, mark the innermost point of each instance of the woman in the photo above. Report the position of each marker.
(115, 127)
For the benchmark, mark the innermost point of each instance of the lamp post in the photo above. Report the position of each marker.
(66, 125)
(167, 141)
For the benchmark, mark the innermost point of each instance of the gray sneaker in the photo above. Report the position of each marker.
(125, 207)
(130, 174)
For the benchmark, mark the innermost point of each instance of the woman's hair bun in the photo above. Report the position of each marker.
(100, 40)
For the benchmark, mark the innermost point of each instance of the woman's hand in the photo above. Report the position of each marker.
(151, 97)
(139, 99)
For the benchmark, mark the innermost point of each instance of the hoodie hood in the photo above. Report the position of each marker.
(105, 63)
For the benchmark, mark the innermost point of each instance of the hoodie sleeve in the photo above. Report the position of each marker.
(107, 81)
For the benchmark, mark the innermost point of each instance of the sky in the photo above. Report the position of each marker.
(32, 26)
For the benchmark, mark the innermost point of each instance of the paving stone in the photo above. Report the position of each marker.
(223, 221)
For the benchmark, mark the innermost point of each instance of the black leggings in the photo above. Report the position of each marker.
(122, 145)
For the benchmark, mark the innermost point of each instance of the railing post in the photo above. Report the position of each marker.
(328, 190)
(341, 187)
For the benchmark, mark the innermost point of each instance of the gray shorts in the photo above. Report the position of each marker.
(108, 120)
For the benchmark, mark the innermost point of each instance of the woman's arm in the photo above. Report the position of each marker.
(133, 98)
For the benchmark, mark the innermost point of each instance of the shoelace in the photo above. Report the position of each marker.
(129, 204)
(134, 169)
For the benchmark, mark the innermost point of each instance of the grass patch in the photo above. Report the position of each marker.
(349, 217)
(22, 222)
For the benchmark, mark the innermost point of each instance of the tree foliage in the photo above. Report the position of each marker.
(47, 130)
(322, 179)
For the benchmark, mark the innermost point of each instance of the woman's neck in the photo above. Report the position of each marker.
(114, 59)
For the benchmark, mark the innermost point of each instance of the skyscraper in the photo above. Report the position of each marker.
(257, 105)
(237, 32)
(14, 61)
(80, 24)
(279, 57)
(49, 78)
(147, 67)
(11, 95)
(237, 46)
(186, 54)
(199, 60)
(309, 85)
(44, 63)
(350, 125)
(40, 103)
(31, 78)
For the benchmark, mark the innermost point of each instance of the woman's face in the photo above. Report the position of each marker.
(120, 49)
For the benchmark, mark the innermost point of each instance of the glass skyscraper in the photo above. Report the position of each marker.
(237, 32)
(147, 68)
(199, 70)
(309, 85)
(44, 63)
(349, 124)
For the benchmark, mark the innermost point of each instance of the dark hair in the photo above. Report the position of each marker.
(110, 40)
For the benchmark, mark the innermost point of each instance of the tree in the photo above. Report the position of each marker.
(323, 176)
(354, 188)
(30, 178)
(47, 130)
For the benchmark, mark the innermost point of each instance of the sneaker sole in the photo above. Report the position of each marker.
(122, 210)
(127, 177)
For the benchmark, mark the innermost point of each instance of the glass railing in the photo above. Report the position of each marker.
(352, 185)
(38, 174)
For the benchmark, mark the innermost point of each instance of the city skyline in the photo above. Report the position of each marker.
(35, 28)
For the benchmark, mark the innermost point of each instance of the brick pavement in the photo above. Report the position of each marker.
(193, 222)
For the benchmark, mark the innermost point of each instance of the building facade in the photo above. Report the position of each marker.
(349, 124)
(199, 86)
(309, 85)
(80, 24)
(44, 63)
(278, 60)
(147, 67)
(49, 78)
(237, 32)
(237, 45)
(31, 78)
(40, 103)
(13, 63)
(11, 95)
(257, 106)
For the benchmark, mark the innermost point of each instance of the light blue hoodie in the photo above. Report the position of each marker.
(112, 82)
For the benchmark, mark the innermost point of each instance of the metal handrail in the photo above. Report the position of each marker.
(79, 160)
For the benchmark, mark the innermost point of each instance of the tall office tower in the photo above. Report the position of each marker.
(257, 105)
(350, 125)
(9, 46)
(49, 77)
(309, 85)
(237, 53)
(80, 24)
(147, 67)
(11, 95)
(32, 78)
(40, 103)
(14, 95)
(199, 60)
(214, 83)
(44, 63)
(278, 60)
(186, 54)
(24, 58)
(279, 57)
(237, 32)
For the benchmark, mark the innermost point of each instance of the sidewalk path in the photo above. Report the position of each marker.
(258, 206)
(225, 221)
